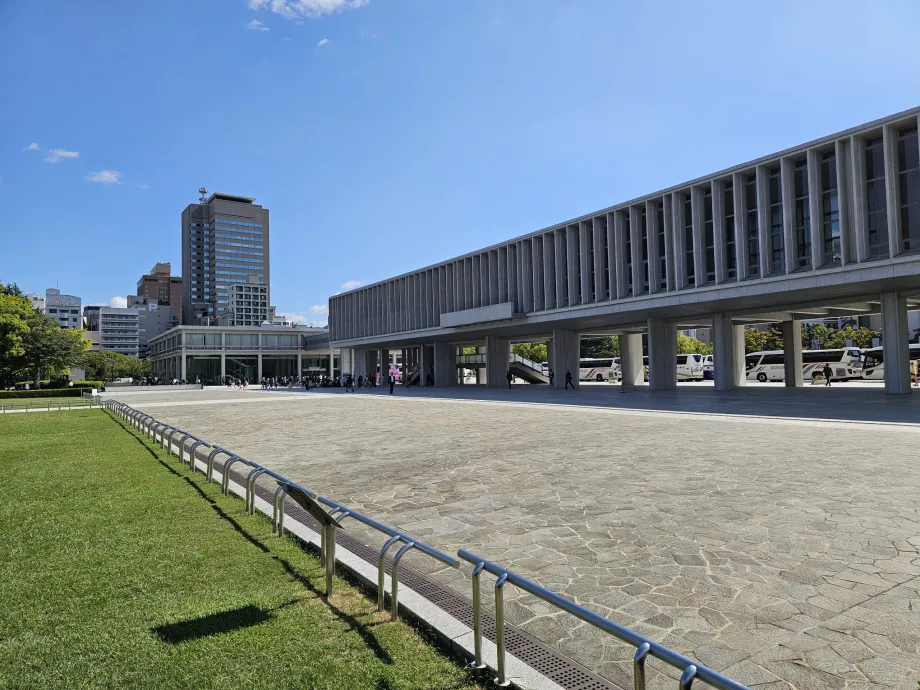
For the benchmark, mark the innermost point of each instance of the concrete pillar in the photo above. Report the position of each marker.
(182, 364)
(223, 365)
(728, 353)
(631, 359)
(426, 362)
(299, 364)
(383, 363)
(445, 364)
(331, 363)
(895, 338)
(359, 358)
(498, 355)
(565, 356)
(792, 345)
(259, 368)
(662, 355)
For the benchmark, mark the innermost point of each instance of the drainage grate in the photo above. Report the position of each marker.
(558, 668)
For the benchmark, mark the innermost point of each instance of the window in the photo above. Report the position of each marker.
(688, 239)
(772, 359)
(681, 359)
(662, 258)
(626, 229)
(876, 211)
(909, 188)
(830, 209)
(644, 225)
(802, 217)
(731, 272)
(709, 238)
(777, 239)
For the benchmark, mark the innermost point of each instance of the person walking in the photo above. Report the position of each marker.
(828, 372)
(510, 378)
(392, 383)
(552, 375)
(568, 380)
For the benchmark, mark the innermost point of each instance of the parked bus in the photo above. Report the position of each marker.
(873, 362)
(769, 365)
(689, 367)
(598, 369)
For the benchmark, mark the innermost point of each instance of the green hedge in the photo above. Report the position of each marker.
(44, 393)
(59, 385)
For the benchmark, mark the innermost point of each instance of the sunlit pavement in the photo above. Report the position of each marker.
(741, 528)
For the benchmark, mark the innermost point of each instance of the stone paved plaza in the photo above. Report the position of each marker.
(782, 552)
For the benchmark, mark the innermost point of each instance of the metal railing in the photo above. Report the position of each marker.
(163, 434)
(49, 404)
(529, 363)
(690, 669)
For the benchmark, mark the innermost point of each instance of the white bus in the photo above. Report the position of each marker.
(689, 367)
(599, 369)
(769, 365)
(873, 363)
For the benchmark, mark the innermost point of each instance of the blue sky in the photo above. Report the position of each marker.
(391, 134)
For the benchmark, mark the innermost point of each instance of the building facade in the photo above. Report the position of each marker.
(113, 329)
(153, 319)
(162, 287)
(248, 305)
(38, 301)
(829, 228)
(225, 241)
(65, 309)
(212, 353)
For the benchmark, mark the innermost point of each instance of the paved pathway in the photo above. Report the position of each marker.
(781, 552)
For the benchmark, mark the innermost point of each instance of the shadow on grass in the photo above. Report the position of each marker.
(236, 618)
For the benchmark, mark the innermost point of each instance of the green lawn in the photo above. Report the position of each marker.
(118, 569)
(20, 403)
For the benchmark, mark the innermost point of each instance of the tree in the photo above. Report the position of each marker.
(11, 289)
(48, 347)
(608, 346)
(535, 352)
(756, 340)
(15, 313)
(687, 345)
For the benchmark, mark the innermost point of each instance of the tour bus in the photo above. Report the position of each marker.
(599, 369)
(689, 367)
(845, 362)
(873, 362)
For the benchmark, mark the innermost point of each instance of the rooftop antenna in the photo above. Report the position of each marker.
(203, 192)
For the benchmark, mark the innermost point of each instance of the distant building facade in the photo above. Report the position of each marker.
(162, 287)
(65, 309)
(225, 242)
(38, 301)
(113, 329)
(153, 319)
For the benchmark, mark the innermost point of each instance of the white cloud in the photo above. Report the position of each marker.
(352, 284)
(323, 42)
(256, 25)
(55, 155)
(311, 9)
(143, 186)
(31, 147)
(105, 177)
(319, 309)
(118, 302)
(300, 318)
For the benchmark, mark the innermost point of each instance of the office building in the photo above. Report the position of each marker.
(65, 309)
(113, 329)
(162, 287)
(211, 353)
(248, 305)
(225, 242)
(38, 301)
(153, 319)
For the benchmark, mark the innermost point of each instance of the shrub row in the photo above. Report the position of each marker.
(45, 393)
(58, 385)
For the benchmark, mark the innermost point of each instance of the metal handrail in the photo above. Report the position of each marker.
(691, 670)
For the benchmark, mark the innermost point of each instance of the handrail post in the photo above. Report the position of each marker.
(251, 489)
(278, 515)
(394, 579)
(500, 680)
(477, 617)
(687, 677)
(226, 473)
(639, 666)
(330, 557)
(191, 455)
(380, 574)
(211, 456)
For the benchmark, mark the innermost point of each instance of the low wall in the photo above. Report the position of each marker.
(130, 388)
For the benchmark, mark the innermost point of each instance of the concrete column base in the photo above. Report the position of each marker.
(383, 365)
(631, 359)
(895, 348)
(566, 355)
(426, 363)
(792, 359)
(498, 357)
(445, 364)
(662, 355)
(728, 353)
